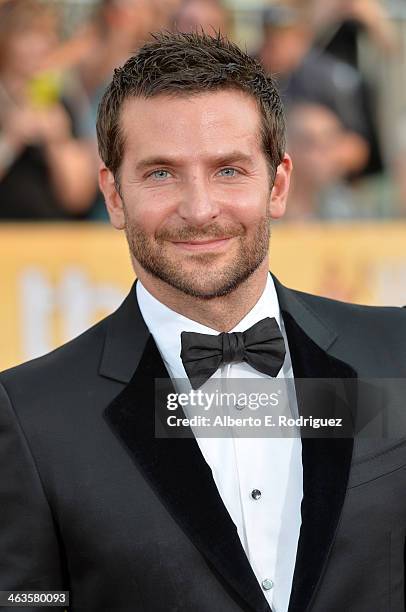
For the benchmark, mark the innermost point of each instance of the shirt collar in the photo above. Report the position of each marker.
(166, 325)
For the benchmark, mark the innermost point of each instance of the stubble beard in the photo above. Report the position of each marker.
(201, 278)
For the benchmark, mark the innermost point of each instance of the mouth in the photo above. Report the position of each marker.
(202, 245)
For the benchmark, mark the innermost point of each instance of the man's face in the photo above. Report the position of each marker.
(195, 190)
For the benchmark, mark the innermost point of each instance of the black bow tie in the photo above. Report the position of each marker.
(261, 346)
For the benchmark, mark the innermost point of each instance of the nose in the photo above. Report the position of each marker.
(198, 206)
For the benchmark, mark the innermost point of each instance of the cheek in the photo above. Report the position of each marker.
(250, 208)
(147, 222)
(148, 210)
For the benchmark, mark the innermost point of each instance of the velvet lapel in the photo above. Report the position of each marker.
(326, 462)
(175, 468)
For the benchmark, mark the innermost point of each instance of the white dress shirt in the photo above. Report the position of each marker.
(269, 525)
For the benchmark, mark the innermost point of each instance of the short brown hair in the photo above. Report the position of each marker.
(189, 63)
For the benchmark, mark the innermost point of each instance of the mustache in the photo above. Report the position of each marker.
(214, 230)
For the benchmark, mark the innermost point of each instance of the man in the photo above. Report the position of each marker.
(191, 133)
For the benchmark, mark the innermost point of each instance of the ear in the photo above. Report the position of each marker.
(114, 203)
(280, 189)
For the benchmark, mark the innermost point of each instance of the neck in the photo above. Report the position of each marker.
(222, 313)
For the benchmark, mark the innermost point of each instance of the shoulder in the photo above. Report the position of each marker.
(349, 313)
(367, 333)
(70, 362)
(328, 304)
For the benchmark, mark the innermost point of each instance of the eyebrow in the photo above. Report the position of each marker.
(223, 159)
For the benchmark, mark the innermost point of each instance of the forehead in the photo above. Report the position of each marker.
(200, 122)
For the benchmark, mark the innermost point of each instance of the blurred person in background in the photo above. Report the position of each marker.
(318, 139)
(306, 73)
(116, 30)
(339, 27)
(318, 144)
(338, 23)
(207, 15)
(45, 171)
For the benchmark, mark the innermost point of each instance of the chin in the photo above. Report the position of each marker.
(205, 291)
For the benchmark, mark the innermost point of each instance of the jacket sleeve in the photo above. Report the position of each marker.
(30, 556)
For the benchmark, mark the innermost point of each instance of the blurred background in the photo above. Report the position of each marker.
(341, 69)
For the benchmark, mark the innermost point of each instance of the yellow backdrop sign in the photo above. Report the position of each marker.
(56, 280)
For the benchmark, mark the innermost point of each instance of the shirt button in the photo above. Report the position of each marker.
(267, 584)
(256, 494)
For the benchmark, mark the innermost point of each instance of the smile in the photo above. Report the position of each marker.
(202, 245)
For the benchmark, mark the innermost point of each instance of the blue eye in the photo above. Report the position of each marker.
(229, 171)
(160, 174)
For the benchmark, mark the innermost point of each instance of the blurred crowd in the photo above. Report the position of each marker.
(51, 84)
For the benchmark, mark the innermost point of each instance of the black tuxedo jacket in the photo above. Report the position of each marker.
(93, 503)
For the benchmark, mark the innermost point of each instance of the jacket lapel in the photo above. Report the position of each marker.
(175, 468)
(179, 474)
(326, 461)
